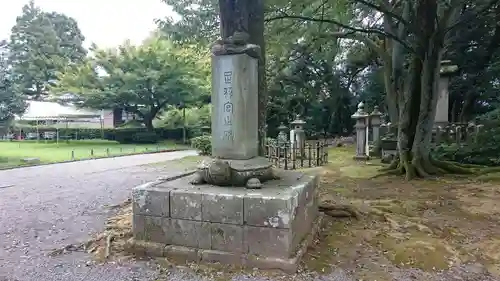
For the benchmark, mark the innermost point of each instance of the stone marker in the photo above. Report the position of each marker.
(361, 118)
(447, 70)
(235, 209)
(234, 101)
(31, 160)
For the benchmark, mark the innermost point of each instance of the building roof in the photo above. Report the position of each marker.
(43, 110)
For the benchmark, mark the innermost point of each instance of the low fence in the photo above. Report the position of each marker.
(313, 154)
(452, 133)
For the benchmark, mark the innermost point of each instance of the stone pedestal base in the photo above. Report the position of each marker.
(361, 157)
(268, 228)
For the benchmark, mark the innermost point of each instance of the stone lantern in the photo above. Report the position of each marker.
(282, 137)
(361, 118)
(376, 121)
(205, 130)
(300, 135)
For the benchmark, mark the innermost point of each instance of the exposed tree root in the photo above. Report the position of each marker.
(385, 173)
(339, 210)
(431, 167)
(109, 239)
(488, 170)
(452, 167)
(80, 247)
(394, 164)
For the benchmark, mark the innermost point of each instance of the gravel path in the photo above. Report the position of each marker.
(48, 207)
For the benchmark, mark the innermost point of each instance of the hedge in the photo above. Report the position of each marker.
(122, 135)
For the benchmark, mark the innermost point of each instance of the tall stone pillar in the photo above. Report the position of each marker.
(446, 72)
(300, 134)
(361, 123)
(235, 102)
(376, 121)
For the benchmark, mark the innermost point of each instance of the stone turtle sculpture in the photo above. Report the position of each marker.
(219, 172)
(236, 44)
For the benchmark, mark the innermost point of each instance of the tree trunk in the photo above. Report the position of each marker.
(391, 99)
(148, 122)
(418, 99)
(117, 116)
(248, 16)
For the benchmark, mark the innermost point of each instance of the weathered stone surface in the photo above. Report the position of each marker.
(151, 201)
(143, 248)
(181, 253)
(442, 105)
(275, 211)
(235, 102)
(190, 233)
(223, 205)
(235, 225)
(228, 238)
(257, 167)
(276, 204)
(306, 214)
(185, 203)
(269, 242)
(233, 172)
(213, 256)
(153, 229)
(188, 254)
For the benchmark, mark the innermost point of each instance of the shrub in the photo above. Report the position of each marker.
(126, 134)
(145, 137)
(485, 150)
(203, 144)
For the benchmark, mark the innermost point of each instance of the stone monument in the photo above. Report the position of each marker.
(361, 118)
(235, 209)
(300, 136)
(446, 71)
(282, 138)
(375, 122)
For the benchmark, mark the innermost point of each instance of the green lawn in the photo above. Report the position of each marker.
(11, 153)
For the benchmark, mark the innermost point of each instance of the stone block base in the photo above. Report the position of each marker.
(182, 254)
(265, 228)
(361, 157)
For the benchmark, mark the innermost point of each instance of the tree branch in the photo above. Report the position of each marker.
(360, 30)
(385, 11)
(371, 44)
(471, 16)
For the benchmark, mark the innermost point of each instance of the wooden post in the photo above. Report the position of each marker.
(286, 160)
(318, 156)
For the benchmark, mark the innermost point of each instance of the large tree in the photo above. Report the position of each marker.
(143, 80)
(11, 102)
(410, 38)
(42, 44)
(202, 24)
(312, 87)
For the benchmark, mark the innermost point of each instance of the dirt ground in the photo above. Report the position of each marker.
(433, 226)
(438, 229)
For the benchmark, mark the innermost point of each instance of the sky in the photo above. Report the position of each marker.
(108, 23)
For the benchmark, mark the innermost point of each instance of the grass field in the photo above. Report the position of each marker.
(11, 153)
